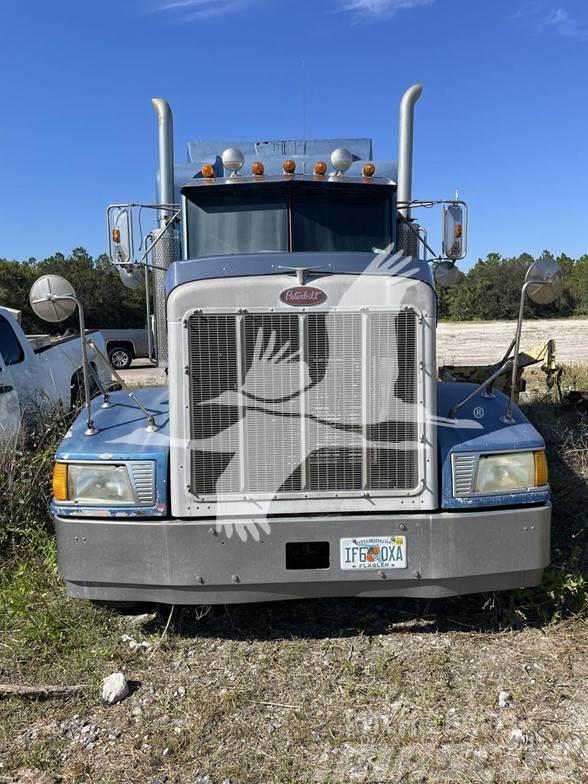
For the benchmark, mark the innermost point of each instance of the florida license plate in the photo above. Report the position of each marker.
(373, 552)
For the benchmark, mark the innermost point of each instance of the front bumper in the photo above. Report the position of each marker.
(199, 562)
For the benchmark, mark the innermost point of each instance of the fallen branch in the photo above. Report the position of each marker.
(277, 705)
(40, 691)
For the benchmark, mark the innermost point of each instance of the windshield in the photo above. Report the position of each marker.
(292, 216)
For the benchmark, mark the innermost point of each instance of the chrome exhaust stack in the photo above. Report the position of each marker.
(168, 245)
(405, 147)
(165, 124)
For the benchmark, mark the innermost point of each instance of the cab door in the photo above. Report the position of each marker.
(9, 405)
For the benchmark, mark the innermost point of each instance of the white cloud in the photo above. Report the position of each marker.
(200, 9)
(383, 7)
(566, 25)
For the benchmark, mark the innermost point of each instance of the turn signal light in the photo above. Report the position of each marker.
(289, 166)
(541, 469)
(60, 481)
(368, 170)
(257, 168)
(116, 236)
(208, 171)
(320, 168)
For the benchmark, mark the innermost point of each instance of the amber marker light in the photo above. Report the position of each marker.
(257, 168)
(320, 168)
(289, 166)
(368, 170)
(60, 481)
(208, 171)
(541, 470)
(116, 235)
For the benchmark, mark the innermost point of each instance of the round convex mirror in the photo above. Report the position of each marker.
(46, 298)
(545, 278)
(446, 274)
(131, 276)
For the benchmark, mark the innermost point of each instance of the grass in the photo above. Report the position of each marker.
(320, 691)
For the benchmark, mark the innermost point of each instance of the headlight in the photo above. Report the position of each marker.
(91, 483)
(479, 474)
(99, 484)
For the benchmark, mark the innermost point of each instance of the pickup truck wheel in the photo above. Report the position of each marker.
(120, 357)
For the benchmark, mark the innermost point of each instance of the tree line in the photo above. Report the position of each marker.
(489, 290)
(107, 303)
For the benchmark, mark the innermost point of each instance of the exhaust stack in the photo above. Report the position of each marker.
(405, 145)
(168, 247)
(166, 156)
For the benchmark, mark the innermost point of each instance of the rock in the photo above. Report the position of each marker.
(504, 699)
(34, 776)
(137, 710)
(115, 688)
(136, 647)
(517, 739)
(137, 621)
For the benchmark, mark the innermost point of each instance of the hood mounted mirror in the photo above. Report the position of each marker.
(544, 281)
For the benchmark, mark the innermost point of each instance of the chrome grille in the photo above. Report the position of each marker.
(313, 403)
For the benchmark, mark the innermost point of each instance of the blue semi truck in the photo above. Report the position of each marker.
(303, 445)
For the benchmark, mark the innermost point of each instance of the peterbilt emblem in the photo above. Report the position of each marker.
(303, 296)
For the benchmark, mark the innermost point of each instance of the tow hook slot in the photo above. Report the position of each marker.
(308, 555)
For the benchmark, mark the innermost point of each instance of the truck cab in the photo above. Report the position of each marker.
(303, 445)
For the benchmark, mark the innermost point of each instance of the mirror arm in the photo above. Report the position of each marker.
(490, 380)
(148, 250)
(490, 391)
(151, 425)
(417, 234)
(91, 429)
(507, 419)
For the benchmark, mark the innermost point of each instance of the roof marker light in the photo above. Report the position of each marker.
(289, 166)
(233, 161)
(368, 170)
(320, 168)
(257, 169)
(207, 171)
(341, 159)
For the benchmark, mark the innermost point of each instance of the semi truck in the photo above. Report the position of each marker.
(303, 445)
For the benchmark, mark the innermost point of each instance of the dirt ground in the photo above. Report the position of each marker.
(479, 343)
(462, 343)
(318, 692)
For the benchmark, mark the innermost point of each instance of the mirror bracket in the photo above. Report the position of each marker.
(542, 274)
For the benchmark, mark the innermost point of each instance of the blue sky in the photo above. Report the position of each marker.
(504, 115)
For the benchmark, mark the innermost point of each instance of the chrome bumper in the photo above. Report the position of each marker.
(199, 562)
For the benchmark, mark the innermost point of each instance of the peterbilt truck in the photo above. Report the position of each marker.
(303, 445)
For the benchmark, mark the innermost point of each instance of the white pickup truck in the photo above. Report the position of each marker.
(36, 376)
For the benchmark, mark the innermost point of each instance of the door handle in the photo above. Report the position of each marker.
(6, 389)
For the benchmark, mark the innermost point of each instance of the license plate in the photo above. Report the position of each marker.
(373, 552)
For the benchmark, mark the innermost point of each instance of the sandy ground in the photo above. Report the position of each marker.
(482, 342)
(471, 343)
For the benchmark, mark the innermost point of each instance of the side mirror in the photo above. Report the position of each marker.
(544, 281)
(120, 235)
(455, 244)
(446, 274)
(131, 275)
(52, 298)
